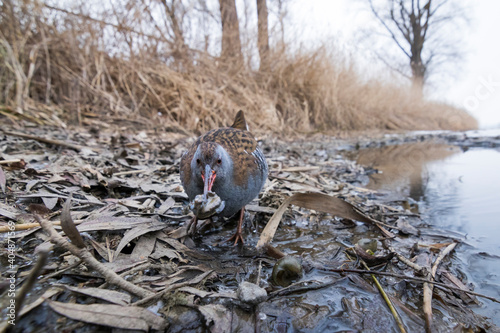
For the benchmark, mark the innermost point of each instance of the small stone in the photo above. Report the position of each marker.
(251, 293)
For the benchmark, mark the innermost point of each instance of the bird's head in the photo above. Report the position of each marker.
(211, 164)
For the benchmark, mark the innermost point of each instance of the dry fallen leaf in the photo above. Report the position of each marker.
(2, 180)
(112, 223)
(152, 225)
(111, 296)
(217, 317)
(126, 317)
(319, 202)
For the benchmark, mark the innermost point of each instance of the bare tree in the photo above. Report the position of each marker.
(179, 41)
(231, 43)
(263, 33)
(420, 30)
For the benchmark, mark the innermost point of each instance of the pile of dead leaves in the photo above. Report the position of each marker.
(110, 211)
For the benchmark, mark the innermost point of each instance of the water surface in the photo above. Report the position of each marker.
(455, 189)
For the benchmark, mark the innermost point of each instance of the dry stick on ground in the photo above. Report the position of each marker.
(16, 160)
(83, 254)
(386, 298)
(394, 312)
(421, 270)
(49, 141)
(429, 287)
(26, 226)
(303, 286)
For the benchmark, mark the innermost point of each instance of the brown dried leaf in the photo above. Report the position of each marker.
(438, 246)
(123, 264)
(112, 223)
(406, 228)
(144, 247)
(104, 252)
(2, 180)
(50, 203)
(55, 179)
(372, 260)
(111, 296)
(31, 183)
(183, 248)
(8, 211)
(449, 278)
(138, 231)
(162, 250)
(217, 317)
(126, 317)
(165, 206)
(319, 202)
(47, 294)
(39, 209)
(68, 226)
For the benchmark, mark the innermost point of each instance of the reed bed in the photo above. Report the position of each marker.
(73, 66)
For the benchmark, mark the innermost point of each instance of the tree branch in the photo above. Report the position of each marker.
(389, 30)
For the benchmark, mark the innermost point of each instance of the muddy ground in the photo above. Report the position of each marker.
(131, 213)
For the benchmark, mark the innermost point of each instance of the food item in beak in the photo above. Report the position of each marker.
(206, 205)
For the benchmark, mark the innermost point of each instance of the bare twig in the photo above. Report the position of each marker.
(44, 140)
(395, 314)
(26, 226)
(110, 276)
(428, 288)
(16, 160)
(404, 277)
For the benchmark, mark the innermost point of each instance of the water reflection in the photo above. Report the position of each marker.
(402, 167)
(456, 190)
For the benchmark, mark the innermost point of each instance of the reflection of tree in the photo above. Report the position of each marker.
(402, 166)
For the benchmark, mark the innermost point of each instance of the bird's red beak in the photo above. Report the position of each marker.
(208, 179)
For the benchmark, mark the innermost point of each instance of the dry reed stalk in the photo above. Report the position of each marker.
(90, 66)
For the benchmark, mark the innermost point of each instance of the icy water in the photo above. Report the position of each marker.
(456, 190)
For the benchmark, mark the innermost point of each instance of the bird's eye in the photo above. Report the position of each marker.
(198, 161)
(219, 161)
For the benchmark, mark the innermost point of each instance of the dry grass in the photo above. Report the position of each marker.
(57, 67)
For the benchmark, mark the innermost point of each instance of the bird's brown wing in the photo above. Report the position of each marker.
(185, 164)
(241, 146)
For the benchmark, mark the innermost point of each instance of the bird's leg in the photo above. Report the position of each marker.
(237, 235)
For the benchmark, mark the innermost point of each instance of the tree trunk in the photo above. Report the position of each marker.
(417, 73)
(416, 46)
(263, 34)
(231, 44)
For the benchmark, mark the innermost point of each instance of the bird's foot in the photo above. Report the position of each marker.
(236, 237)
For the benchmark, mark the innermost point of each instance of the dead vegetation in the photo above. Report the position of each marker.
(120, 256)
(83, 64)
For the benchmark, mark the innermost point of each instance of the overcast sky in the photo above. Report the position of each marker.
(476, 83)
